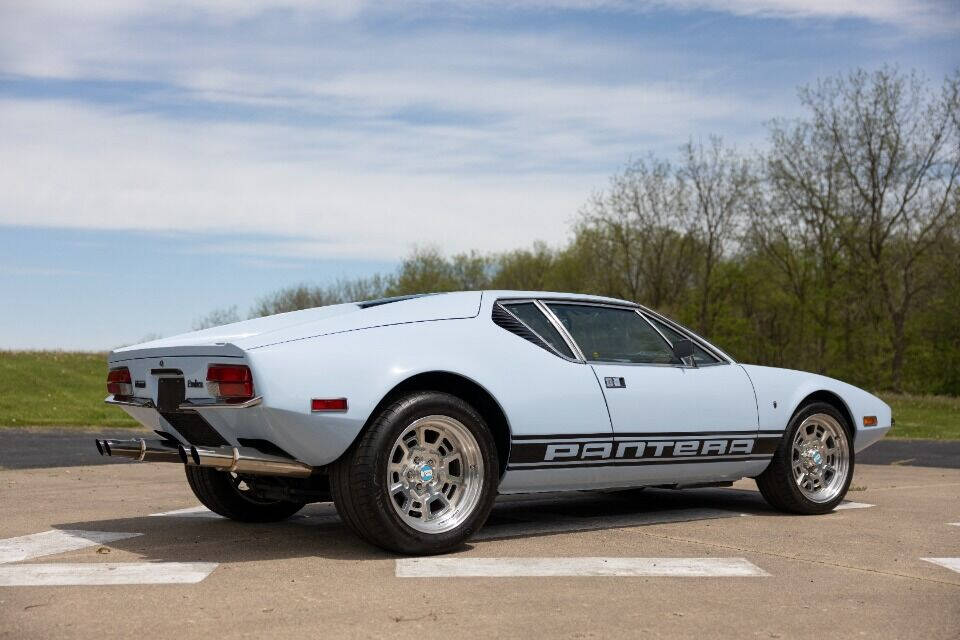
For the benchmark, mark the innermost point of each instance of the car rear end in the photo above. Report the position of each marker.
(203, 403)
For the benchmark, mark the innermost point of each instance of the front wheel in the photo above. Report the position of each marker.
(421, 479)
(813, 465)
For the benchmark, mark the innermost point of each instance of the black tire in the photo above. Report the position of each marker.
(358, 480)
(777, 483)
(217, 491)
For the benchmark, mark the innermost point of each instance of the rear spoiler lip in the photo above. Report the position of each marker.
(222, 350)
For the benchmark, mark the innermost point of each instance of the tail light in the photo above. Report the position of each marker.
(230, 381)
(119, 382)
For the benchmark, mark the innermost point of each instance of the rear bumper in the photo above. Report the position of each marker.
(186, 405)
(302, 436)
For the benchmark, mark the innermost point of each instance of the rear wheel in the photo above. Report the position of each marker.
(421, 479)
(235, 497)
(813, 465)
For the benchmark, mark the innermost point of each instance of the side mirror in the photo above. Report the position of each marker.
(683, 349)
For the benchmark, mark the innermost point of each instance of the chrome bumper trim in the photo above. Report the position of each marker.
(147, 403)
(143, 403)
(212, 404)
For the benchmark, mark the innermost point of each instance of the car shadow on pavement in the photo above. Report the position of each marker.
(197, 535)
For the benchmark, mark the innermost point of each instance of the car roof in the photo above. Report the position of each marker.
(554, 295)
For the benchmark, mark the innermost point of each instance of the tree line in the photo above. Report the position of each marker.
(835, 248)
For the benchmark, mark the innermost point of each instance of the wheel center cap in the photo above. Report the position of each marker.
(426, 473)
(817, 458)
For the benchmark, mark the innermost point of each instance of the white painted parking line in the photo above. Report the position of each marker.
(950, 563)
(190, 512)
(34, 575)
(954, 524)
(318, 515)
(55, 541)
(575, 567)
(565, 525)
(61, 574)
(846, 504)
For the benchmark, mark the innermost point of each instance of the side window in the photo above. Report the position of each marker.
(530, 315)
(607, 334)
(699, 354)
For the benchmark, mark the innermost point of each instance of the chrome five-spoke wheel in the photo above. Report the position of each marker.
(820, 457)
(435, 474)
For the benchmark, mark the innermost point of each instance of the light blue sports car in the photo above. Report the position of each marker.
(413, 413)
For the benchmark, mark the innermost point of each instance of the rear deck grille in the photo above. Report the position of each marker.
(195, 430)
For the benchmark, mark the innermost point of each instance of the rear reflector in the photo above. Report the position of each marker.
(869, 421)
(328, 404)
(231, 381)
(119, 382)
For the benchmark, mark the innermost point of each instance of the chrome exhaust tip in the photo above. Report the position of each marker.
(139, 449)
(249, 461)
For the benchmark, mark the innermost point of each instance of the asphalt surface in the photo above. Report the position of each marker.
(858, 572)
(39, 447)
(50, 447)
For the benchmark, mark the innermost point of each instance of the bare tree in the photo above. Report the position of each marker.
(793, 218)
(638, 229)
(896, 142)
(720, 180)
(304, 296)
(216, 318)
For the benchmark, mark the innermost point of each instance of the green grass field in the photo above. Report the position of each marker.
(936, 417)
(45, 388)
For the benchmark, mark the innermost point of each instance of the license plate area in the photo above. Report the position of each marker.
(170, 393)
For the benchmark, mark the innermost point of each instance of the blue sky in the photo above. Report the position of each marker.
(161, 159)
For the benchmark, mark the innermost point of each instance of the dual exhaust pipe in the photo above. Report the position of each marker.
(241, 460)
(140, 449)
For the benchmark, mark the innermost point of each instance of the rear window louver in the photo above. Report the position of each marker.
(505, 320)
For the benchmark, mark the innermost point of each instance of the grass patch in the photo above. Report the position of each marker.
(45, 388)
(934, 417)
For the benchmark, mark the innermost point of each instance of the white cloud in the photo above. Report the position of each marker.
(65, 38)
(53, 272)
(917, 13)
(924, 14)
(71, 166)
(470, 140)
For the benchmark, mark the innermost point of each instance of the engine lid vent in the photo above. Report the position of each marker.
(506, 320)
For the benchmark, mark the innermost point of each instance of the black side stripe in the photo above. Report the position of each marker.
(648, 434)
(641, 448)
(629, 463)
